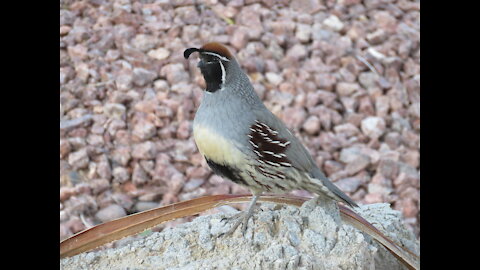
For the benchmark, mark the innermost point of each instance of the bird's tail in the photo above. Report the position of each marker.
(332, 189)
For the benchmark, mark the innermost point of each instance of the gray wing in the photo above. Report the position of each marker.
(298, 156)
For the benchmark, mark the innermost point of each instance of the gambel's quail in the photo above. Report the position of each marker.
(243, 141)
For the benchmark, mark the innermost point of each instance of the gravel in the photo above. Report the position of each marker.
(341, 74)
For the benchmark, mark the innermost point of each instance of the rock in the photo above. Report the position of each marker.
(75, 225)
(176, 183)
(159, 54)
(297, 244)
(144, 130)
(346, 89)
(294, 117)
(175, 73)
(408, 207)
(388, 168)
(183, 131)
(79, 159)
(373, 127)
(67, 17)
(349, 184)
(239, 39)
(66, 193)
(104, 170)
(374, 54)
(357, 165)
(139, 176)
(192, 184)
(144, 42)
(329, 141)
(368, 79)
(121, 155)
(99, 185)
(145, 150)
(303, 32)
(77, 53)
(161, 85)
(355, 159)
(382, 106)
(365, 105)
(120, 175)
(297, 52)
(142, 77)
(95, 140)
(124, 79)
(312, 125)
(188, 15)
(331, 167)
(65, 232)
(110, 212)
(377, 37)
(325, 81)
(333, 23)
(273, 78)
(64, 148)
(250, 17)
(114, 110)
(82, 71)
(385, 21)
(348, 129)
(144, 206)
(379, 188)
(307, 6)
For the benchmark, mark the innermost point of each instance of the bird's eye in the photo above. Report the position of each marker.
(210, 59)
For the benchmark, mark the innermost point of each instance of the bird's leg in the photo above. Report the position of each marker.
(244, 217)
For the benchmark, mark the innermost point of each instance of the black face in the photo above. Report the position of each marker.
(211, 68)
(211, 65)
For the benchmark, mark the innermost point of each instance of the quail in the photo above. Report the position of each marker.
(244, 142)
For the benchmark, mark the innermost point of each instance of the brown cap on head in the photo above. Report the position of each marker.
(212, 48)
(218, 49)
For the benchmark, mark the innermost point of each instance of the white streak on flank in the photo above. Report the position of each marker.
(253, 130)
(273, 154)
(267, 127)
(286, 164)
(253, 144)
(272, 163)
(258, 153)
(217, 55)
(284, 144)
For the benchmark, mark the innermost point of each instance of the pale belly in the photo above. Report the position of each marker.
(217, 148)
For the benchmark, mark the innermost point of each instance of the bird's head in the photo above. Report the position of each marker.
(215, 62)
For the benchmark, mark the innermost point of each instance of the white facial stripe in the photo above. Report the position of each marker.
(224, 74)
(217, 55)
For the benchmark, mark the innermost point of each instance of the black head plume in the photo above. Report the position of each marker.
(189, 51)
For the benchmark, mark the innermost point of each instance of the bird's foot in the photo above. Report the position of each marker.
(240, 218)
